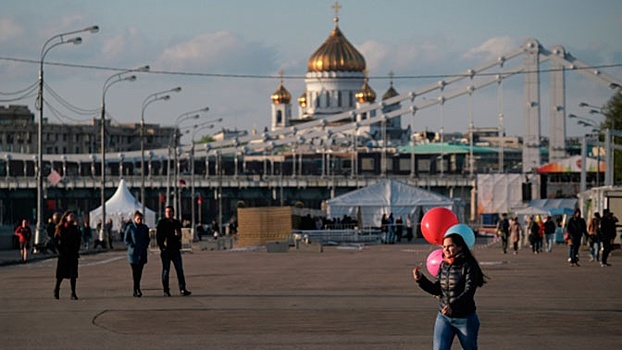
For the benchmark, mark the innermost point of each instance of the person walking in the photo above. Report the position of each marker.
(399, 228)
(503, 227)
(409, 228)
(67, 241)
(593, 237)
(575, 228)
(87, 233)
(549, 233)
(458, 278)
(24, 234)
(515, 234)
(168, 236)
(608, 234)
(534, 235)
(51, 229)
(137, 242)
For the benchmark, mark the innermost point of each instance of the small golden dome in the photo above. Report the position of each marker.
(302, 100)
(336, 54)
(281, 96)
(366, 93)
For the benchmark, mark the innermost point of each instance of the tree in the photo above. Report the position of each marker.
(613, 120)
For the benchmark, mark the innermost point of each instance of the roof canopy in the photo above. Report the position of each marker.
(121, 206)
(386, 197)
(572, 165)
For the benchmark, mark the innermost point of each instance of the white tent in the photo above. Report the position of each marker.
(121, 206)
(390, 196)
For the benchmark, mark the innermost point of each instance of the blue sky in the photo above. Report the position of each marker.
(259, 38)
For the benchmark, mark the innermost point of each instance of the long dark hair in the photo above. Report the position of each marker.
(62, 222)
(468, 255)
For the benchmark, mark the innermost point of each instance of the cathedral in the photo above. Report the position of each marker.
(336, 82)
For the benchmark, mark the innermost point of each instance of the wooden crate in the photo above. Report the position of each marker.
(257, 226)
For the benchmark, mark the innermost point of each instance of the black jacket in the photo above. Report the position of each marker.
(576, 227)
(456, 285)
(168, 235)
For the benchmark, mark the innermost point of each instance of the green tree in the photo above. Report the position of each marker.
(613, 120)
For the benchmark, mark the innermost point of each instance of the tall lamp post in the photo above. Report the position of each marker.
(587, 122)
(175, 135)
(193, 220)
(113, 79)
(52, 42)
(158, 96)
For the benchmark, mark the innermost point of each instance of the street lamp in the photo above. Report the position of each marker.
(175, 135)
(583, 121)
(52, 42)
(158, 96)
(113, 79)
(192, 194)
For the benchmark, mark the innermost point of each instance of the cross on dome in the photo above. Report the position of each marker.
(336, 7)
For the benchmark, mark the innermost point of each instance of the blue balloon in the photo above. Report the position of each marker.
(463, 231)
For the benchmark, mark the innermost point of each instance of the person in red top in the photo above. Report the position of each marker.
(24, 233)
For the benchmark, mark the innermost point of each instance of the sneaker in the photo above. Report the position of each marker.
(167, 293)
(185, 292)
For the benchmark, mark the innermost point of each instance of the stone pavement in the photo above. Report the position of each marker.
(343, 298)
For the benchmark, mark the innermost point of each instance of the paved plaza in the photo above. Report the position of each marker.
(342, 298)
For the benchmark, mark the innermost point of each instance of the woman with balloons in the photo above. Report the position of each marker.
(457, 277)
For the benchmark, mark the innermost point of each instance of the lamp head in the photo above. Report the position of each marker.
(76, 41)
(166, 97)
(142, 69)
(583, 104)
(177, 89)
(130, 78)
(92, 29)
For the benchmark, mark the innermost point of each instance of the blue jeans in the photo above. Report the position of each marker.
(446, 328)
(550, 240)
(595, 250)
(174, 257)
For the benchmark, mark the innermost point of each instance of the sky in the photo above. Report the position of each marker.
(227, 55)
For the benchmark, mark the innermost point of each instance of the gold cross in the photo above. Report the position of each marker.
(337, 7)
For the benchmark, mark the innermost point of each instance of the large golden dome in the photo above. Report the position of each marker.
(336, 55)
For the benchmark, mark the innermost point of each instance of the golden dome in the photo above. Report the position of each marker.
(365, 94)
(302, 100)
(336, 55)
(281, 96)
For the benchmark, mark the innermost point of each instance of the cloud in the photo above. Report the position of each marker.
(124, 47)
(409, 58)
(492, 48)
(219, 52)
(10, 30)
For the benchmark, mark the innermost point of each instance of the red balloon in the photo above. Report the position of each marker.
(435, 223)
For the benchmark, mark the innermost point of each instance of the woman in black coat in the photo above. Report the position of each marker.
(67, 242)
(458, 278)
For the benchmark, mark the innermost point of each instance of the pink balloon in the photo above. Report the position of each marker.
(435, 223)
(433, 263)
